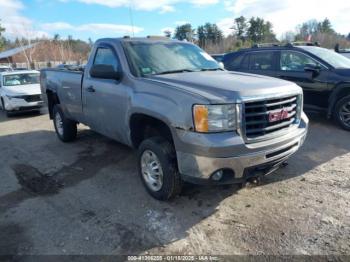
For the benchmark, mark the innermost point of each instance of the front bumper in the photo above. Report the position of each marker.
(201, 155)
(17, 104)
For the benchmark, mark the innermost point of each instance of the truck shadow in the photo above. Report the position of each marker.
(101, 195)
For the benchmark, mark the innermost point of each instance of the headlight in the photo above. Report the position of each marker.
(12, 97)
(214, 118)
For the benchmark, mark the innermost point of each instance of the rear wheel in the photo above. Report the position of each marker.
(342, 112)
(66, 129)
(158, 168)
(8, 113)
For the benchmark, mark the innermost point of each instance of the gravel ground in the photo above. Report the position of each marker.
(86, 198)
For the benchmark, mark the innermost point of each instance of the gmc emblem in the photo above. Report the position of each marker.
(278, 115)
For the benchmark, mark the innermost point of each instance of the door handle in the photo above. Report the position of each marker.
(90, 89)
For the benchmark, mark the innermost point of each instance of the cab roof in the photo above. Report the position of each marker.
(146, 39)
(278, 46)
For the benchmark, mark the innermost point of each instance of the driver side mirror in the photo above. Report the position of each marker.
(105, 72)
(314, 69)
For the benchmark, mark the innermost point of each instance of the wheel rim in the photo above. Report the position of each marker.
(59, 124)
(345, 114)
(152, 171)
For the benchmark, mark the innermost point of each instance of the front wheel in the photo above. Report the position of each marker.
(158, 168)
(8, 113)
(66, 129)
(342, 112)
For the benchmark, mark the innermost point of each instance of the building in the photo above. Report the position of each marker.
(15, 54)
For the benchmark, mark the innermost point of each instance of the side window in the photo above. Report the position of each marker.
(261, 61)
(235, 62)
(245, 62)
(105, 56)
(294, 61)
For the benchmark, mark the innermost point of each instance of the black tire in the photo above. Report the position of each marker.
(8, 113)
(68, 130)
(339, 109)
(165, 152)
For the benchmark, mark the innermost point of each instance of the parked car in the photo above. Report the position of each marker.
(346, 54)
(5, 68)
(218, 57)
(21, 69)
(323, 74)
(343, 51)
(189, 119)
(20, 91)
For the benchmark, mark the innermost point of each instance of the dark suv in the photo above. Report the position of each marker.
(323, 74)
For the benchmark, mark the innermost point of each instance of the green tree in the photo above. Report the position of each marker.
(217, 34)
(90, 42)
(325, 26)
(306, 29)
(184, 32)
(209, 34)
(167, 33)
(56, 37)
(260, 31)
(2, 39)
(241, 27)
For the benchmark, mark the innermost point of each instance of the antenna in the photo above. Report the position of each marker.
(131, 18)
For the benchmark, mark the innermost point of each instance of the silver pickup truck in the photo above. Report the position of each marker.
(189, 119)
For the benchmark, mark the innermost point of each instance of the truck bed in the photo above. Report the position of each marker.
(67, 85)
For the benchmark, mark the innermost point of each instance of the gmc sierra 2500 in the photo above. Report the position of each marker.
(189, 119)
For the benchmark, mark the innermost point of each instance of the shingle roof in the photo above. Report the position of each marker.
(14, 51)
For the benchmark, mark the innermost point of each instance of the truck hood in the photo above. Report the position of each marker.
(33, 89)
(225, 86)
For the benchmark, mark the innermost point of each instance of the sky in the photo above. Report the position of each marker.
(94, 19)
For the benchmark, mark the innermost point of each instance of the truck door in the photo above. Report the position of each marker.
(105, 99)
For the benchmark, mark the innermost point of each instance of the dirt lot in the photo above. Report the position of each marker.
(86, 198)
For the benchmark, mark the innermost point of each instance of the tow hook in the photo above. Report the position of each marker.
(252, 182)
(284, 164)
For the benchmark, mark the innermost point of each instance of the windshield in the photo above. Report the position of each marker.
(21, 79)
(173, 57)
(331, 57)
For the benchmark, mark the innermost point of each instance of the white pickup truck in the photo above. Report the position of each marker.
(20, 91)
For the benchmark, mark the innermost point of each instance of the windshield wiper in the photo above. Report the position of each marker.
(212, 69)
(175, 71)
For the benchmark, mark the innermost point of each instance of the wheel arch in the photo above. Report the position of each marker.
(52, 100)
(143, 126)
(341, 90)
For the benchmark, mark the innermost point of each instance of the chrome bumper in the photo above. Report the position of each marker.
(202, 167)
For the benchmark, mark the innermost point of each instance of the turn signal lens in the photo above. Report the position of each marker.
(201, 118)
(214, 118)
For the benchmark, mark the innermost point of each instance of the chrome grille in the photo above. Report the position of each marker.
(257, 115)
